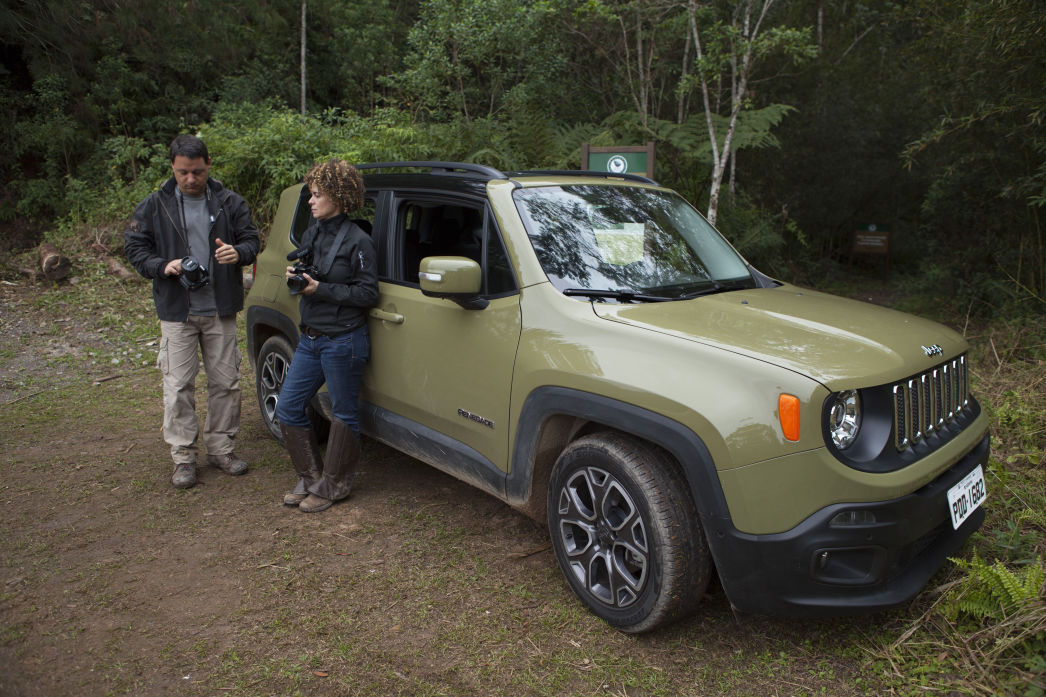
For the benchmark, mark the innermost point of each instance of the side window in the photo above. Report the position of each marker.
(430, 228)
(302, 217)
(364, 217)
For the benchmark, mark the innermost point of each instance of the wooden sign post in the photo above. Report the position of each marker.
(619, 159)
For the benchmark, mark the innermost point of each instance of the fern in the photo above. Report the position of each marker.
(1037, 518)
(993, 591)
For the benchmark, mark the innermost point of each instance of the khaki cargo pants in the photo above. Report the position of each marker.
(179, 362)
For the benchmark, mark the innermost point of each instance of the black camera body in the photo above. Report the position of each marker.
(194, 275)
(302, 259)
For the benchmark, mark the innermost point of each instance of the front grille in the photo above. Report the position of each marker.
(926, 402)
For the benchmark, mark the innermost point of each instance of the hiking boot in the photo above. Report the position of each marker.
(184, 476)
(228, 463)
(293, 498)
(315, 504)
(339, 467)
(304, 450)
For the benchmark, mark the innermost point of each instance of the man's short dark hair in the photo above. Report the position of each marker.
(189, 147)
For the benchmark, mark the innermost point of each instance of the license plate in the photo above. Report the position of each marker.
(967, 496)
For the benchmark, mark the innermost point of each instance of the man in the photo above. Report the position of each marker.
(191, 238)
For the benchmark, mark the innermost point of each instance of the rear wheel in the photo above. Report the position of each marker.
(626, 532)
(273, 361)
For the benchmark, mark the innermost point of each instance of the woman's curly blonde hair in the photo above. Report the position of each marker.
(339, 181)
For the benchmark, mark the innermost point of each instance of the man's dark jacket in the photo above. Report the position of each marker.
(155, 237)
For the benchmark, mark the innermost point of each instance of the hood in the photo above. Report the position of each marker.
(840, 343)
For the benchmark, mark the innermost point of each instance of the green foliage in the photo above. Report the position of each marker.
(471, 57)
(759, 236)
(690, 139)
(950, 89)
(1019, 415)
(984, 61)
(260, 149)
(993, 591)
(724, 41)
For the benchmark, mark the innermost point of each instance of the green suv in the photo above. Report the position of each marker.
(588, 349)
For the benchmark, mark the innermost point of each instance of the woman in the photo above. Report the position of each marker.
(334, 343)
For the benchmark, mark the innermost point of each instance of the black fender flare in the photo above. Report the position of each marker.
(279, 323)
(682, 443)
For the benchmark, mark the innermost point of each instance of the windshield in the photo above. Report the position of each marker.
(627, 243)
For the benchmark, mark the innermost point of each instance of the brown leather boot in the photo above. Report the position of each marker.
(304, 450)
(339, 469)
(295, 497)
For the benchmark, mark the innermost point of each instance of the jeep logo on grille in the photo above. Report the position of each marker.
(934, 350)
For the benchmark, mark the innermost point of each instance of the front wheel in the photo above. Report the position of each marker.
(626, 532)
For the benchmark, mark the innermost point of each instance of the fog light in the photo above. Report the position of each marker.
(849, 566)
(850, 518)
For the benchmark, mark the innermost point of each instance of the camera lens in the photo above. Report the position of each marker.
(194, 274)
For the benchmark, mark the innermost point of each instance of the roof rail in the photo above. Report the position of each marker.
(452, 168)
(585, 173)
(466, 168)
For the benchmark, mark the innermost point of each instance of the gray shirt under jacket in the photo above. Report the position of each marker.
(196, 220)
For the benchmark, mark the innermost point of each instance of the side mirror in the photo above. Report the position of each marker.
(455, 278)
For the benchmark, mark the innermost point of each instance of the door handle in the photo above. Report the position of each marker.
(384, 316)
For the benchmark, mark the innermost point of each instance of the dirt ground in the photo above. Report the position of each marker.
(112, 582)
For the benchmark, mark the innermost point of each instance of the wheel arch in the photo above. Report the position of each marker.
(553, 417)
(264, 322)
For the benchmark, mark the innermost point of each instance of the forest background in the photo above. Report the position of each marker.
(791, 123)
(923, 116)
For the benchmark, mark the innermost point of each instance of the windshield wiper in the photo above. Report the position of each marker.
(626, 296)
(711, 290)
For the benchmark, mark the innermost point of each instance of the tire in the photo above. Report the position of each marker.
(273, 361)
(626, 532)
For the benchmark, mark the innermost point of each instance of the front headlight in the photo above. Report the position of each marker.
(844, 418)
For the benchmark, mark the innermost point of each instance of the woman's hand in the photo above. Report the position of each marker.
(309, 289)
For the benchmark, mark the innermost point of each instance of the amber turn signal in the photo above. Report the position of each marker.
(788, 413)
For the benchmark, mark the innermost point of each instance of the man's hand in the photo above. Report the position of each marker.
(173, 268)
(225, 253)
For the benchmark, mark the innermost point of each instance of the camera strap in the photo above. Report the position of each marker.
(324, 266)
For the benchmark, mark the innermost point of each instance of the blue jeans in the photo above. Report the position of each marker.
(339, 361)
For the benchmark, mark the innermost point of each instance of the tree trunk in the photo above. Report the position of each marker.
(739, 90)
(53, 265)
(117, 269)
(113, 265)
(303, 5)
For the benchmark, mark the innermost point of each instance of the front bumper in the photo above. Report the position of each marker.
(818, 568)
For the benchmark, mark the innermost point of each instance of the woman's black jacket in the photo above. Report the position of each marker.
(340, 303)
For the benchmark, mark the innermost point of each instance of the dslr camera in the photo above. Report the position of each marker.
(302, 259)
(194, 274)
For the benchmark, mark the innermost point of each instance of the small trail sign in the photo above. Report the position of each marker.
(619, 159)
(871, 238)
